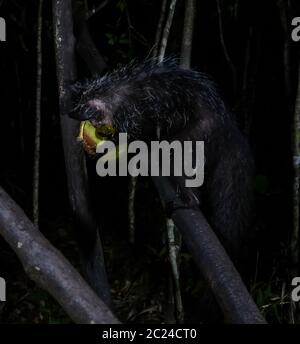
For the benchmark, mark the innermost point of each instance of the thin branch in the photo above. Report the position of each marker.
(97, 9)
(296, 165)
(225, 50)
(171, 229)
(36, 167)
(284, 16)
(247, 85)
(174, 251)
(159, 27)
(187, 35)
(166, 32)
(85, 46)
(131, 211)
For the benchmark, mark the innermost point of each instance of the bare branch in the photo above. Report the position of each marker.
(131, 211)
(227, 56)
(97, 9)
(159, 27)
(85, 46)
(211, 258)
(45, 265)
(166, 32)
(296, 196)
(187, 36)
(36, 167)
(85, 220)
(174, 257)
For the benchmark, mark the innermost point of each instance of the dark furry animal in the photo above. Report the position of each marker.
(150, 100)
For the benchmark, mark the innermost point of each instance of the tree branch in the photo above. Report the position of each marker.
(37, 139)
(86, 224)
(166, 32)
(45, 265)
(159, 28)
(212, 260)
(187, 35)
(85, 46)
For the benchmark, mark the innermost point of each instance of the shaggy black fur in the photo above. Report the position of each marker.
(151, 101)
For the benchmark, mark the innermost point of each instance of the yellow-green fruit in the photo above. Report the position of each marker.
(89, 137)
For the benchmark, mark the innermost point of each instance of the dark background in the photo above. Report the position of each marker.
(261, 95)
